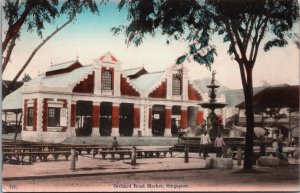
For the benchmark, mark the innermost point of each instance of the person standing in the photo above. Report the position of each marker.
(219, 144)
(274, 146)
(280, 153)
(115, 143)
(263, 145)
(204, 142)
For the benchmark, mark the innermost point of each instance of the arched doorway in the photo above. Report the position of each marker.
(126, 119)
(105, 124)
(158, 120)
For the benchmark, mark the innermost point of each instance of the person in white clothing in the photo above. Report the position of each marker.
(204, 142)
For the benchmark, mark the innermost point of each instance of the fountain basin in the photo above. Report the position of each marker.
(213, 86)
(213, 105)
(194, 144)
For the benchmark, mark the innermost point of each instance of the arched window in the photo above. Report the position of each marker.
(106, 80)
(176, 85)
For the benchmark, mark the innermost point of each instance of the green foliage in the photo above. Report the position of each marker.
(39, 12)
(10, 11)
(243, 24)
(275, 43)
(197, 21)
(26, 78)
(193, 49)
(181, 59)
(73, 7)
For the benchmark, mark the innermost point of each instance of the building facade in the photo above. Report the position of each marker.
(103, 100)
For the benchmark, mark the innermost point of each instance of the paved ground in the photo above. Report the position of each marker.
(111, 175)
(193, 180)
(86, 164)
(149, 174)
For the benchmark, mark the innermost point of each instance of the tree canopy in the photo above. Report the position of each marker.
(243, 24)
(33, 15)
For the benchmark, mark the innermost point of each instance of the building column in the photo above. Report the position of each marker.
(183, 120)
(97, 78)
(117, 81)
(69, 106)
(95, 119)
(35, 114)
(73, 118)
(149, 121)
(168, 112)
(38, 118)
(169, 86)
(142, 120)
(115, 119)
(136, 120)
(24, 114)
(199, 117)
(185, 85)
(45, 114)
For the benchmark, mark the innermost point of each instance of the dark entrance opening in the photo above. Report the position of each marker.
(126, 119)
(175, 120)
(105, 124)
(84, 123)
(158, 120)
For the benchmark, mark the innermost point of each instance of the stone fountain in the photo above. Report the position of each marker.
(193, 142)
(212, 104)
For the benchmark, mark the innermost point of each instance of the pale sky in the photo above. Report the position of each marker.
(89, 37)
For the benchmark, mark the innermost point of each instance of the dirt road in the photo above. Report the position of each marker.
(267, 179)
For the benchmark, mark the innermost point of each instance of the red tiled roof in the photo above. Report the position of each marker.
(276, 97)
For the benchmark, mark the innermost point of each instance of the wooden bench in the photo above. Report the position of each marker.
(79, 149)
(67, 147)
(153, 153)
(46, 147)
(19, 149)
(121, 153)
(127, 151)
(32, 156)
(104, 151)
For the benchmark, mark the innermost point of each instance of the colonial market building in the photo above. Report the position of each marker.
(106, 100)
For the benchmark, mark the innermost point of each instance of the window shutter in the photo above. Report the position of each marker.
(64, 117)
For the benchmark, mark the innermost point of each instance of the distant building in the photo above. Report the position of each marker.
(285, 99)
(103, 100)
(11, 117)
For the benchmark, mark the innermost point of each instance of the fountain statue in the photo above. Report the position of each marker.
(212, 104)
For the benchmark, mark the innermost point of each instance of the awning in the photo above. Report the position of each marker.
(258, 131)
(271, 128)
(13, 101)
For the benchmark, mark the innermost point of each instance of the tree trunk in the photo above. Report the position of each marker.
(14, 29)
(8, 53)
(248, 91)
